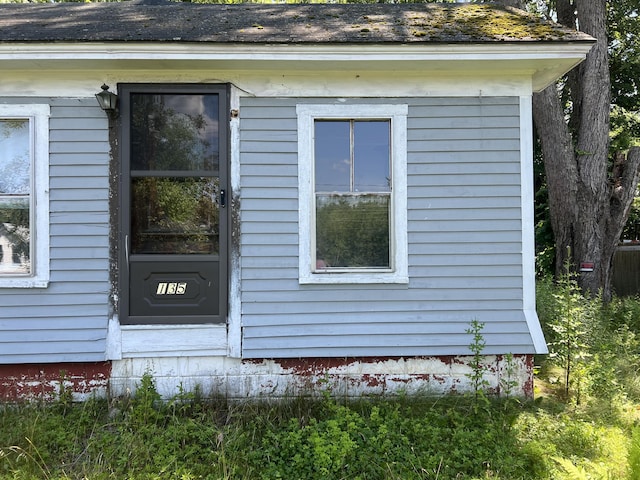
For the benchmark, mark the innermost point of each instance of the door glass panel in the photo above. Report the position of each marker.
(171, 215)
(174, 132)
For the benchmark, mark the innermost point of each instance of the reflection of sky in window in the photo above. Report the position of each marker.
(371, 156)
(333, 169)
(195, 105)
(14, 157)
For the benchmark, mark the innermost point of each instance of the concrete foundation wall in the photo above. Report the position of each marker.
(273, 379)
(345, 377)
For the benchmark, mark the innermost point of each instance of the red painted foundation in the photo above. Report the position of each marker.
(46, 381)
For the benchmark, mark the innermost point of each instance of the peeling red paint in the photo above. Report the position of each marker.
(26, 381)
(528, 387)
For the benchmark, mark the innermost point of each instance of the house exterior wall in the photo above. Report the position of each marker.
(465, 239)
(67, 321)
(465, 262)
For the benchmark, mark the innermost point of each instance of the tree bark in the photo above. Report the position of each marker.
(588, 200)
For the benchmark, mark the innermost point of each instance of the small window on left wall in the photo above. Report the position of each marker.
(24, 196)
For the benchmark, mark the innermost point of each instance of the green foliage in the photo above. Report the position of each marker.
(631, 229)
(186, 437)
(568, 345)
(634, 455)
(399, 440)
(597, 343)
(477, 365)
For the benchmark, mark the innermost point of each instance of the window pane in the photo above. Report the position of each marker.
(15, 235)
(15, 157)
(174, 215)
(352, 231)
(371, 156)
(174, 132)
(332, 156)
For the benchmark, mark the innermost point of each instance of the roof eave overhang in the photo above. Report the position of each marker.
(544, 62)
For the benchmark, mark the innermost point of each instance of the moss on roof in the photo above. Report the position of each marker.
(483, 22)
(276, 23)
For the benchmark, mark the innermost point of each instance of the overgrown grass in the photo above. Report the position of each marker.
(583, 425)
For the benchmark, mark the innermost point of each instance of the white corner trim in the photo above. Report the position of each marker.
(234, 331)
(528, 225)
(398, 114)
(114, 340)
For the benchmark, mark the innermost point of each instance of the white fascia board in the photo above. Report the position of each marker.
(546, 61)
(292, 52)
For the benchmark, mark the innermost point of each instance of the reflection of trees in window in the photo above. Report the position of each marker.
(165, 139)
(15, 188)
(352, 231)
(175, 215)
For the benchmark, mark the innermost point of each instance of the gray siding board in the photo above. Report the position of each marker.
(63, 324)
(466, 134)
(254, 313)
(445, 214)
(58, 299)
(496, 180)
(442, 169)
(75, 206)
(82, 183)
(67, 321)
(59, 356)
(399, 341)
(415, 320)
(471, 227)
(79, 194)
(417, 202)
(466, 260)
(62, 124)
(447, 250)
(80, 276)
(74, 171)
(75, 335)
(70, 136)
(74, 159)
(273, 227)
(465, 239)
(44, 312)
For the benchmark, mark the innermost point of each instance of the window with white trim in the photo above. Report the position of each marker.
(24, 195)
(353, 193)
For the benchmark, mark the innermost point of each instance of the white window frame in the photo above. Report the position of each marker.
(397, 114)
(38, 116)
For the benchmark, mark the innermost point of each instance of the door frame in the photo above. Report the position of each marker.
(124, 196)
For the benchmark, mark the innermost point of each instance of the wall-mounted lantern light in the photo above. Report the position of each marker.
(106, 99)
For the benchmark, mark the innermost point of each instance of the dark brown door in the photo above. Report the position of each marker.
(173, 203)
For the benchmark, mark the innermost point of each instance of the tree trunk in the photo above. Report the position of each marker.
(588, 200)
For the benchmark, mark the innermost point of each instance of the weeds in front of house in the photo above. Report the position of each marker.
(584, 424)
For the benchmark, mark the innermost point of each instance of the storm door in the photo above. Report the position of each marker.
(173, 218)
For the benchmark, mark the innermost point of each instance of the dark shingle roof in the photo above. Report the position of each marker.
(136, 21)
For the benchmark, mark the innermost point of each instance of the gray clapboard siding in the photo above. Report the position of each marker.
(68, 320)
(465, 239)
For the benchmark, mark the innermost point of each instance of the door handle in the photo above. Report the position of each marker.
(223, 198)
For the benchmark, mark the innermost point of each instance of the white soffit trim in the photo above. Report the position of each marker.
(543, 61)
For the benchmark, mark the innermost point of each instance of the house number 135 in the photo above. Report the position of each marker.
(165, 288)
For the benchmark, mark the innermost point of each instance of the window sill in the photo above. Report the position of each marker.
(23, 283)
(352, 278)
